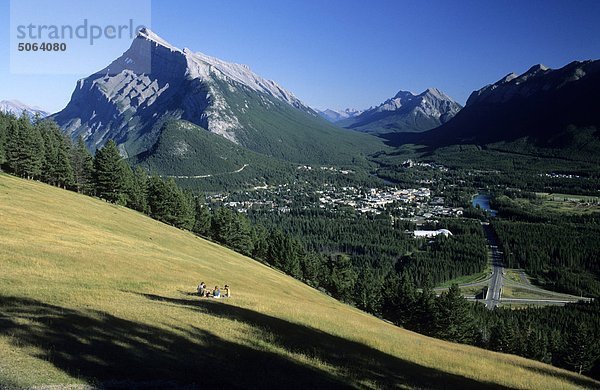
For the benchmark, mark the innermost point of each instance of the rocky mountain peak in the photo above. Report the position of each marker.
(406, 112)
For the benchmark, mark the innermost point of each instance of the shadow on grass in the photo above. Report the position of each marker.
(360, 364)
(112, 352)
(117, 353)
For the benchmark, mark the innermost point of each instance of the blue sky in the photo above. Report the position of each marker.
(349, 53)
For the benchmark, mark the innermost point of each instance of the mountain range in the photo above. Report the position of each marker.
(405, 112)
(127, 103)
(167, 118)
(17, 108)
(338, 115)
(539, 109)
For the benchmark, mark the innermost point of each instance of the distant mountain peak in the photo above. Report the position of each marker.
(538, 67)
(338, 115)
(404, 95)
(436, 93)
(17, 108)
(406, 112)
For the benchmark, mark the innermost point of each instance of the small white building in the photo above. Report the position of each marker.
(432, 233)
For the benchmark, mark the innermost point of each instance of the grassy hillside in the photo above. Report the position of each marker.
(95, 293)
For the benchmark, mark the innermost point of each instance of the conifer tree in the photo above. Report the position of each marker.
(12, 148)
(83, 167)
(158, 198)
(260, 238)
(232, 229)
(25, 149)
(63, 169)
(369, 285)
(343, 277)
(168, 203)
(110, 176)
(454, 319)
(137, 194)
(203, 218)
(426, 309)
(581, 349)
(50, 155)
(4, 121)
(314, 269)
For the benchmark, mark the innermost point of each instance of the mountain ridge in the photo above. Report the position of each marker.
(405, 112)
(540, 109)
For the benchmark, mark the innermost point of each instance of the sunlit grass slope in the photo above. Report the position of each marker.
(95, 293)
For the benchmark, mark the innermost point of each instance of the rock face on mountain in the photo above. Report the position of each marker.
(17, 108)
(154, 82)
(336, 116)
(405, 112)
(543, 107)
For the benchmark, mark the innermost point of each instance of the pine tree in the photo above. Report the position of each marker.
(314, 269)
(405, 310)
(232, 229)
(83, 167)
(368, 290)
(343, 278)
(63, 169)
(503, 338)
(454, 319)
(137, 193)
(260, 238)
(50, 155)
(291, 263)
(25, 149)
(158, 198)
(581, 349)
(202, 220)
(4, 122)
(110, 174)
(169, 204)
(276, 252)
(185, 212)
(425, 318)
(12, 148)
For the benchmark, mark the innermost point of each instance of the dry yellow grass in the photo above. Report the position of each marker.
(95, 293)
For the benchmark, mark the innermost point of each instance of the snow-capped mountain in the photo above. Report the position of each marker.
(17, 108)
(154, 81)
(338, 115)
(406, 112)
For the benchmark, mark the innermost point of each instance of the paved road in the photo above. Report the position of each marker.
(205, 176)
(494, 292)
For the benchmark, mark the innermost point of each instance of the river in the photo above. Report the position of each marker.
(483, 201)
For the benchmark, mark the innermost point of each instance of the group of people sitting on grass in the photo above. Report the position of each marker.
(216, 293)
